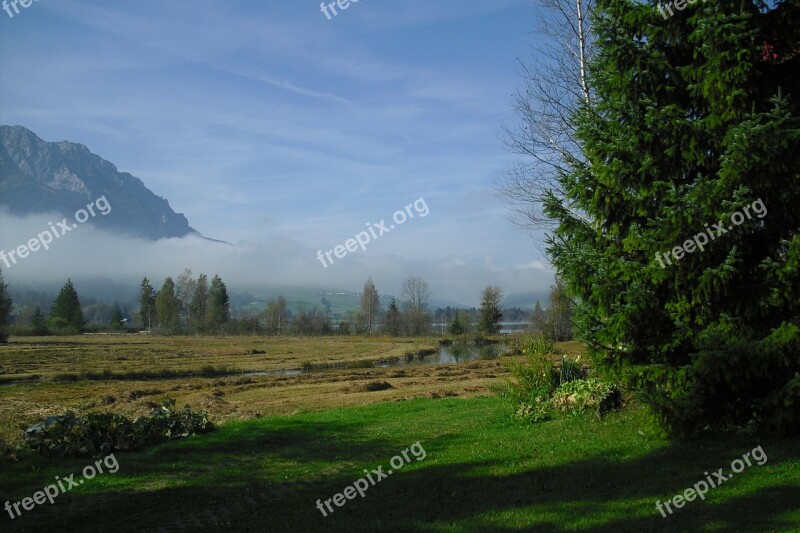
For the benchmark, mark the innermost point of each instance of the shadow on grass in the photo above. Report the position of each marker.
(256, 477)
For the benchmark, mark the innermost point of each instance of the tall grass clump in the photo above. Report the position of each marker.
(533, 380)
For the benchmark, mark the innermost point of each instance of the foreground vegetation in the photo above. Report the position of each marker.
(284, 441)
(482, 472)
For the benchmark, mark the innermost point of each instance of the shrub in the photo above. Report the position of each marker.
(70, 435)
(522, 344)
(586, 395)
(539, 389)
(534, 380)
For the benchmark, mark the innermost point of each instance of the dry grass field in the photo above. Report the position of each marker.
(40, 377)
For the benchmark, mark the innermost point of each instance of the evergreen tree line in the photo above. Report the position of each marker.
(193, 305)
(65, 316)
(188, 305)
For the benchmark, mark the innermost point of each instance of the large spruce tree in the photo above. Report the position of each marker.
(693, 119)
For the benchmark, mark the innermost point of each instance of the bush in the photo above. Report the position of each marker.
(70, 435)
(586, 395)
(539, 389)
(534, 380)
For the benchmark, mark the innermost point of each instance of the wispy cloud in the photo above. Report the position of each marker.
(266, 119)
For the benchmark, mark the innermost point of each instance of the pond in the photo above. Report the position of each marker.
(444, 355)
(455, 353)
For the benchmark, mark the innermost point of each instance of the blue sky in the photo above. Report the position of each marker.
(265, 122)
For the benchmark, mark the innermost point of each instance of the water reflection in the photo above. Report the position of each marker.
(446, 355)
(455, 353)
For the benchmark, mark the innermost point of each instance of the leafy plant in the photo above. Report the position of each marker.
(571, 370)
(586, 395)
(539, 410)
(538, 389)
(70, 435)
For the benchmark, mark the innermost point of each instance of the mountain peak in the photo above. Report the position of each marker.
(38, 176)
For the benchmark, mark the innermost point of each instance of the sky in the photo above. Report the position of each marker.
(284, 132)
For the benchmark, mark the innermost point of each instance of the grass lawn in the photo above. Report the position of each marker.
(482, 472)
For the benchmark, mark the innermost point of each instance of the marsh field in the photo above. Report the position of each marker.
(232, 378)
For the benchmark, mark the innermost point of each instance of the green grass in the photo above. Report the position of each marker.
(483, 472)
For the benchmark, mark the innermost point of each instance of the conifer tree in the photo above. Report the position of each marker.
(117, 317)
(393, 324)
(66, 312)
(694, 119)
(490, 310)
(219, 304)
(39, 322)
